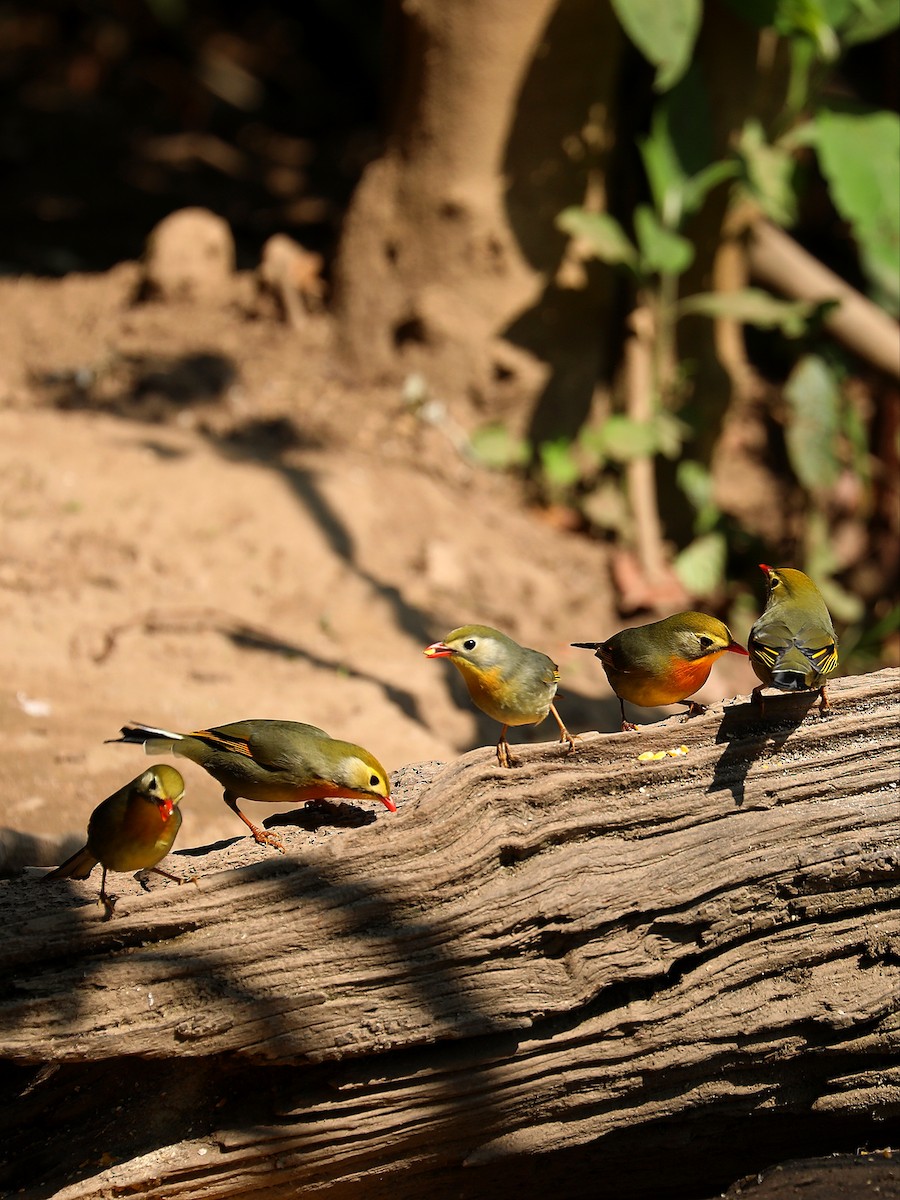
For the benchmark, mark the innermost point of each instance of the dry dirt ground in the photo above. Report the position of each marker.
(202, 521)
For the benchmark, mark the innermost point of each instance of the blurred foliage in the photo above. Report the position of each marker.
(826, 437)
(859, 155)
(664, 33)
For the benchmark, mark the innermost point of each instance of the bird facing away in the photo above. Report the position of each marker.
(663, 662)
(274, 762)
(792, 645)
(131, 830)
(509, 682)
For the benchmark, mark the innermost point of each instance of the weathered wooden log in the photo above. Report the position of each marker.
(567, 975)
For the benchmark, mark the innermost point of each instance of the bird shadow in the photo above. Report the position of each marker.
(209, 848)
(322, 814)
(751, 730)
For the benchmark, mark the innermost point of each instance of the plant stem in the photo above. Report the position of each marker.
(640, 389)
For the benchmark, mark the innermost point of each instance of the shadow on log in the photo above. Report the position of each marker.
(589, 974)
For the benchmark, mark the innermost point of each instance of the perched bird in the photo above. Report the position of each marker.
(663, 662)
(275, 762)
(792, 645)
(509, 682)
(131, 830)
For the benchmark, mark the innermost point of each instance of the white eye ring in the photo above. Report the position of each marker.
(469, 644)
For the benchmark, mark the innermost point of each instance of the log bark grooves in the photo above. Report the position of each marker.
(593, 973)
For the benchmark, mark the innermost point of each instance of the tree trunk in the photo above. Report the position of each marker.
(498, 122)
(590, 973)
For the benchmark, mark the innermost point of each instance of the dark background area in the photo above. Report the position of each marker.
(114, 115)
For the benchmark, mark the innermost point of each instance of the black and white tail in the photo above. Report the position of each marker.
(154, 740)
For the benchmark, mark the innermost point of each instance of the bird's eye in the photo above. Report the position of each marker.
(374, 781)
(469, 644)
(705, 642)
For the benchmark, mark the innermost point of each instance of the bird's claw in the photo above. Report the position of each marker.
(571, 739)
(264, 838)
(504, 758)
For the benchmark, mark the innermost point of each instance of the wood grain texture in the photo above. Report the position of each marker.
(580, 959)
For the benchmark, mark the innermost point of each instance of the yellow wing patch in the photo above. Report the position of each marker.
(824, 660)
(764, 653)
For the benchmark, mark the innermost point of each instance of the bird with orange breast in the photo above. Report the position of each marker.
(665, 661)
(511, 683)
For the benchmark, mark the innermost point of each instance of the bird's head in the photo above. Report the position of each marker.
(478, 646)
(163, 786)
(775, 582)
(694, 636)
(362, 774)
(784, 583)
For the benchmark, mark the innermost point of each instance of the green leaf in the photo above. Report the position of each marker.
(809, 17)
(606, 508)
(804, 68)
(605, 236)
(814, 408)
(813, 19)
(622, 439)
(662, 251)
(664, 33)
(559, 465)
(842, 605)
(854, 20)
(859, 154)
(836, 12)
(665, 172)
(495, 447)
(769, 173)
(753, 306)
(696, 481)
(698, 187)
(871, 19)
(671, 433)
(701, 565)
(677, 152)
(678, 146)
(821, 563)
